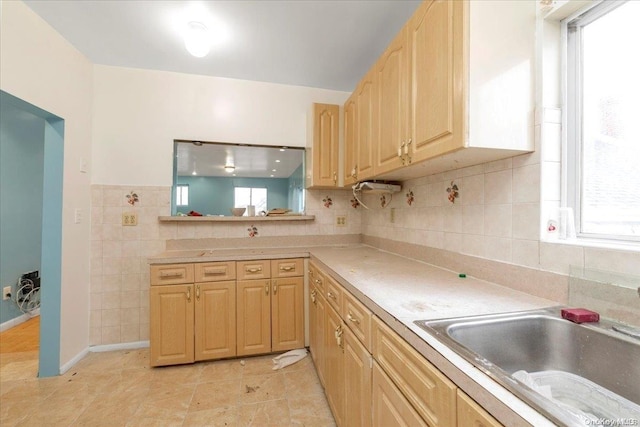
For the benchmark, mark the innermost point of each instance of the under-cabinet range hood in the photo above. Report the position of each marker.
(377, 187)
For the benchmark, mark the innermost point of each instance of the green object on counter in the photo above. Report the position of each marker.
(462, 275)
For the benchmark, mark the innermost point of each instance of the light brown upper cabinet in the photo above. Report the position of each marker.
(366, 117)
(455, 88)
(350, 141)
(323, 149)
(393, 111)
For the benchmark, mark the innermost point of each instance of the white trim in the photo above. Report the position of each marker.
(18, 320)
(78, 357)
(120, 346)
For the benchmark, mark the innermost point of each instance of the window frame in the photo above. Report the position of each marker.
(573, 100)
(266, 191)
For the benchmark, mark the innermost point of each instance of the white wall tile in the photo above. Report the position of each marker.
(526, 252)
(526, 184)
(471, 190)
(473, 219)
(558, 257)
(497, 248)
(526, 221)
(498, 187)
(498, 220)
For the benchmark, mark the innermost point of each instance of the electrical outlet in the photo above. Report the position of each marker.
(6, 292)
(129, 218)
(341, 220)
(392, 215)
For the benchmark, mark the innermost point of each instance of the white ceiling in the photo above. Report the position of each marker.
(209, 159)
(321, 43)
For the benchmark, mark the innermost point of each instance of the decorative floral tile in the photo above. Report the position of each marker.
(132, 198)
(453, 192)
(355, 203)
(253, 231)
(383, 201)
(410, 198)
(327, 202)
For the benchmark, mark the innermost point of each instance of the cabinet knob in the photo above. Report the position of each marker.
(266, 289)
(335, 177)
(275, 287)
(253, 269)
(331, 295)
(313, 296)
(189, 294)
(338, 334)
(353, 319)
(198, 292)
(287, 268)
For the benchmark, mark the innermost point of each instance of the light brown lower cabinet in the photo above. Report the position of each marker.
(171, 321)
(317, 309)
(470, 414)
(357, 381)
(270, 315)
(334, 364)
(215, 320)
(390, 407)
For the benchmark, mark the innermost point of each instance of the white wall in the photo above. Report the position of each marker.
(138, 114)
(40, 67)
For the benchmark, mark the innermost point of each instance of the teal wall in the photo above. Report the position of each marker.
(214, 195)
(21, 193)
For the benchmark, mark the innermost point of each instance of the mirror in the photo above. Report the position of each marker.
(211, 178)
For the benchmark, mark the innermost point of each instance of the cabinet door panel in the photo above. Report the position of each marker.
(357, 382)
(287, 313)
(215, 320)
(392, 105)
(350, 142)
(366, 113)
(317, 309)
(437, 107)
(254, 317)
(171, 324)
(326, 144)
(390, 408)
(334, 364)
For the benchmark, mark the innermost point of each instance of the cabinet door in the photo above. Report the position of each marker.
(437, 79)
(357, 382)
(350, 142)
(366, 114)
(317, 306)
(215, 320)
(392, 76)
(287, 313)
(253, 301)
(171, 324)
(470, 414)
(390, 408)
(326, 144)
(334, 364)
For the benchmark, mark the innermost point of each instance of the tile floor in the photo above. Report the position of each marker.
(119, 389)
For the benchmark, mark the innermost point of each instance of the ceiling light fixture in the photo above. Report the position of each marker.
(196, 39)
(229, 168)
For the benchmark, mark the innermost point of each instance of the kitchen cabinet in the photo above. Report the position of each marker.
(270, 307)
(334, 364)
(393, 106)
(317, 313)
(390, 407)
(453, 89)
(470, 414)
(323, 149)
(200, 312)
(357, 365)
(366, 118)
(193, 320)
(350, 141)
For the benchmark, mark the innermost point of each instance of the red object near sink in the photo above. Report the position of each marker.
(580, 315)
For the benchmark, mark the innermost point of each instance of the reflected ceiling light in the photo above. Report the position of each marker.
(277, 161)
(196, 39)
(229, 168)
(273, 170)
(194, 173)
(282, 149)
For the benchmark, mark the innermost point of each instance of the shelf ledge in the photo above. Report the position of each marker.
(236, 218)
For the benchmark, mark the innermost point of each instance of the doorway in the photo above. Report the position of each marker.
(31, 151)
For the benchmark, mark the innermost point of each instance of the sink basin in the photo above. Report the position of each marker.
(573, 358)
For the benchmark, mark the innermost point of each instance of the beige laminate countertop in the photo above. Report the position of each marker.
(400, 290)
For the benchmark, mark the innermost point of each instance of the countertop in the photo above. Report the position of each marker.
(400, 290)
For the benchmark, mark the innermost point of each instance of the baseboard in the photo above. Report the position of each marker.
(18, 320)
(78, 357)
(120, 346)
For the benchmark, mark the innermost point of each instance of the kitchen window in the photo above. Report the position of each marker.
(182, 195)
(245, 196)
(603, 120)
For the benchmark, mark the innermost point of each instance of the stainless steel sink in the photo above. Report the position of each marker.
(541, 341)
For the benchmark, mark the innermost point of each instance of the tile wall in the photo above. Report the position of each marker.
(119, 270)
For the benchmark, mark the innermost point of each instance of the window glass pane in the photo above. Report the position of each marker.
(242, 197)
(610, 193)
(259, 199)
(182, 195)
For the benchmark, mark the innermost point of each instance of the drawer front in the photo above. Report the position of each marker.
(333, 294)
(358, 317)
(316, 278)
(171, 274)
(470, 414)
(431, 393)
(247, 270)
(287, 267)
(215, 271)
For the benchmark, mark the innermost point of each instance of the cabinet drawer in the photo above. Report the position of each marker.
(247, 270)
(171, 274)
(431, 393)
(316, 277)
(358, 317)
(287, 267)
(215, 271)
(333, 293)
